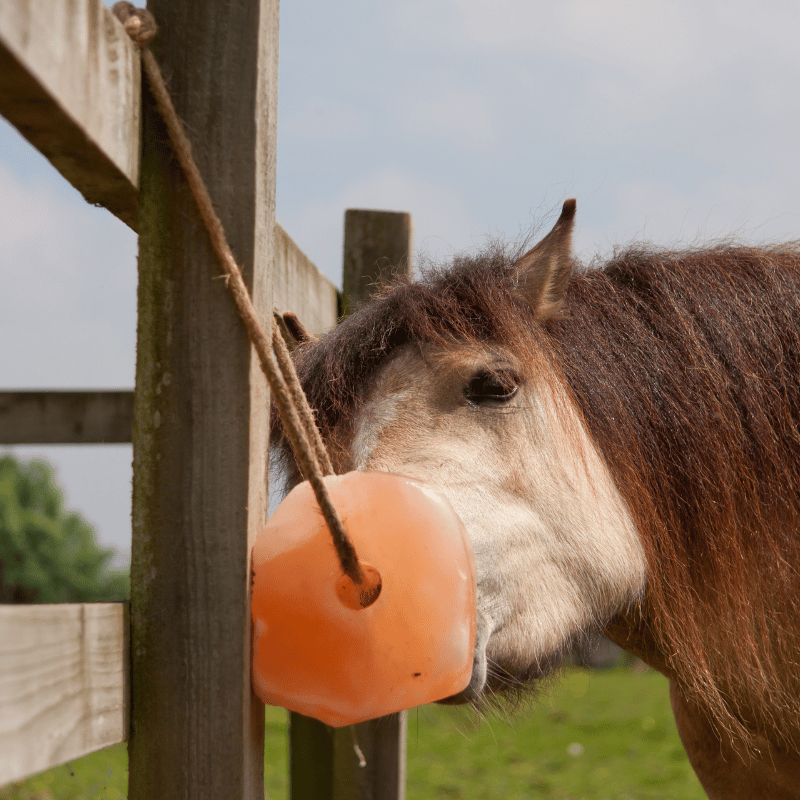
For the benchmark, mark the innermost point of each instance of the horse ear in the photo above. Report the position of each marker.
(293, 331)
(544, 271)
(299, 332)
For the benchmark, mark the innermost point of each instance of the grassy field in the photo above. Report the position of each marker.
(595, 735)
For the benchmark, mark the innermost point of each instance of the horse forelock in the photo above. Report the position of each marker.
(686, 369)
(471, 302)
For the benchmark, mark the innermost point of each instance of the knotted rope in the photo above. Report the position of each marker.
(276, 363)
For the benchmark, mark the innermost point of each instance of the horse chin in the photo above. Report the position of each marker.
(472, 693)
(500, 681)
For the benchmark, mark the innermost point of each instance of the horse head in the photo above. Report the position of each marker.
(458, 389)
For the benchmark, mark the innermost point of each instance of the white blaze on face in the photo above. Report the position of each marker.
(555, 547)
(374, 418)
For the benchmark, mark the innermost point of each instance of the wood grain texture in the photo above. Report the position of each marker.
(70, 83)
(383, 744)
(311, 759)
(63, 684)
(377, 244)
(298, 286)
(56, 417)
(201, 410)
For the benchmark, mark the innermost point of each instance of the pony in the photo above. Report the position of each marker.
(622, 443)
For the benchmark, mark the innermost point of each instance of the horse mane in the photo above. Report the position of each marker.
(686, 369)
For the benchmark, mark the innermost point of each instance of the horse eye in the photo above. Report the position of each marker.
(490, 388)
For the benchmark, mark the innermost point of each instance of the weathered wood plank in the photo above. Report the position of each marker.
(201, 410)
(70, 83)
(298, 286)
(63, 684)
(68, 417)
(311, 759)
(383, 744)
(377, 244)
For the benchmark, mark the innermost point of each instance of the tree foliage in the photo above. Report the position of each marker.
(47, 554)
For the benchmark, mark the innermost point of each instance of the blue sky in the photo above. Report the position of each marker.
(673, 122)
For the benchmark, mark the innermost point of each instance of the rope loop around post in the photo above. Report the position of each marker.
(273, 355)
(139, 23)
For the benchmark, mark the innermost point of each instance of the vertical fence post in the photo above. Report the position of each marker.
(310, 758)
(201, 410)
(377, 245)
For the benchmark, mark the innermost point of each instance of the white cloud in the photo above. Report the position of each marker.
(67, 320)
(462, 116)
(67, 289)
(660, 35)
(620, 30)
(624, 68)
(323, 118)
(670, 216)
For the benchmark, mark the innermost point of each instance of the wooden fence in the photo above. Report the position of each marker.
(171, 674)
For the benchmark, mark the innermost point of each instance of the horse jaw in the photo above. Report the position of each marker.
(556, 551)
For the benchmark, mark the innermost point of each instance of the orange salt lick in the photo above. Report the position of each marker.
(316, 650)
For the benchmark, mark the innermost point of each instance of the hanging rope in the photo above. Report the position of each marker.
(276, 363)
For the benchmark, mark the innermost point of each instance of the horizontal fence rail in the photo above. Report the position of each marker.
(106, 417)
(63, 684)
(70, 83)
(298, 286)
(55, 417)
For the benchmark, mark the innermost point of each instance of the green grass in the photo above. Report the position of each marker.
(595, 735)
(592, 736)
